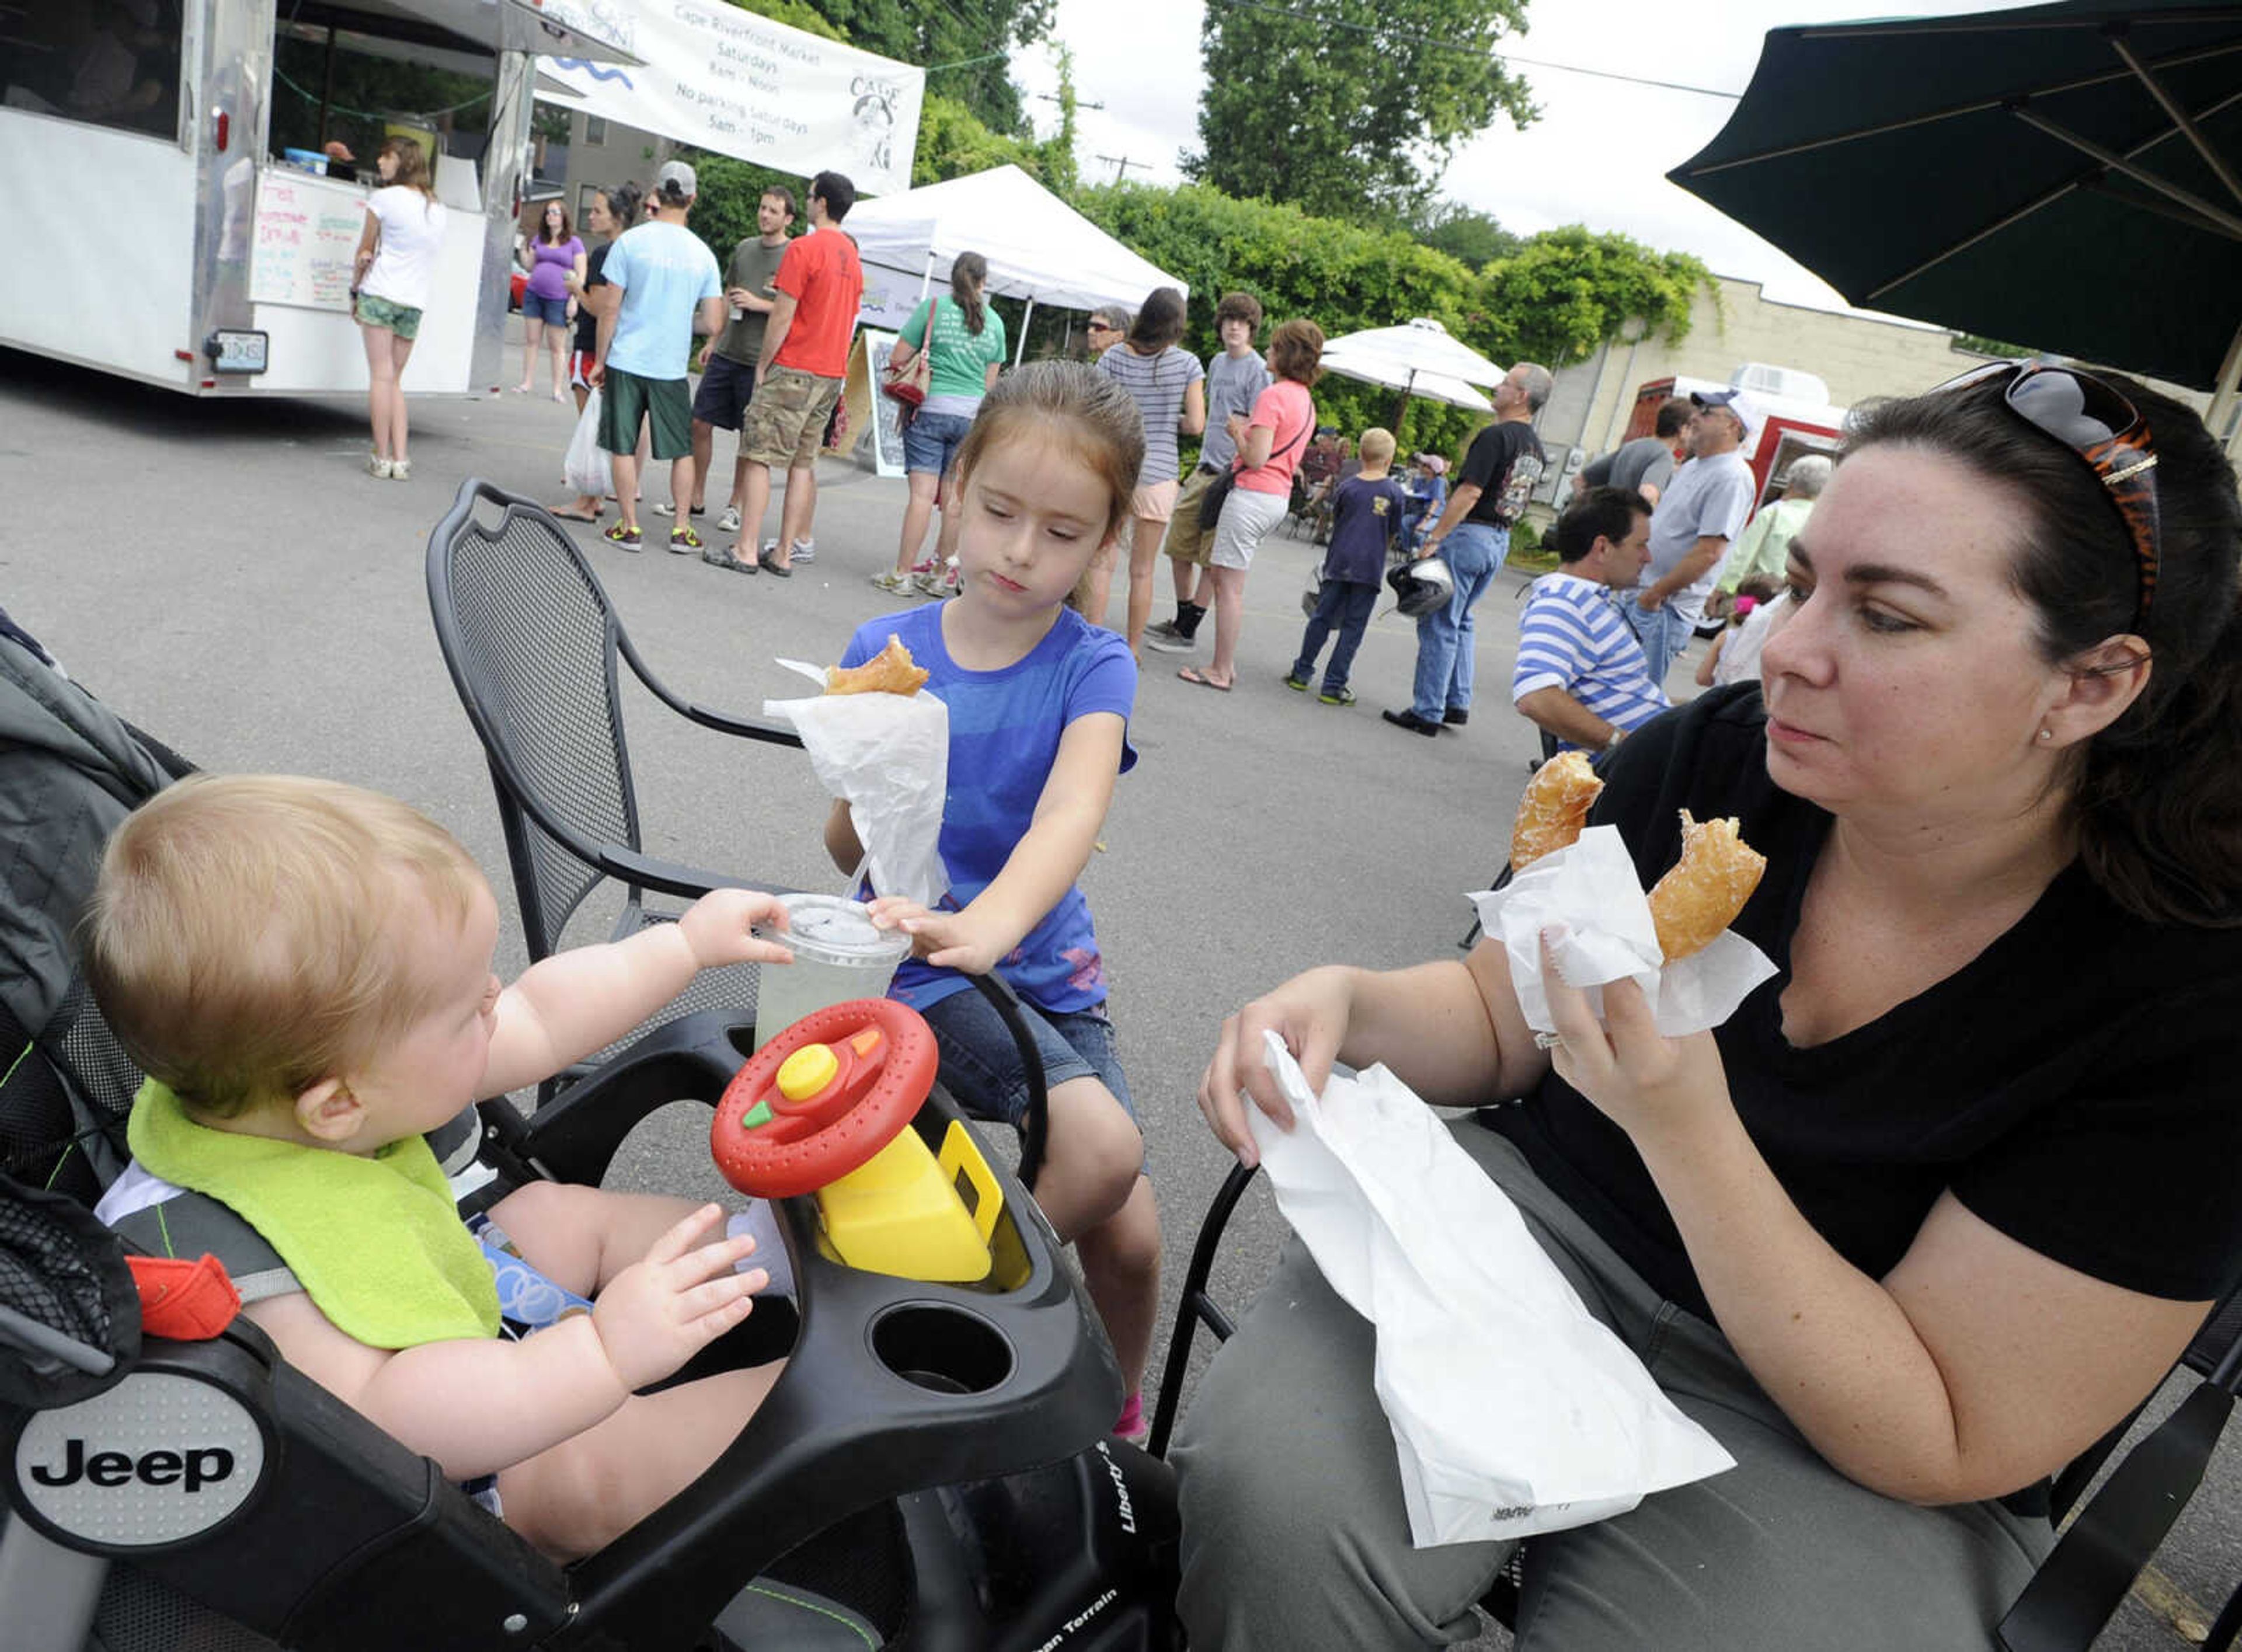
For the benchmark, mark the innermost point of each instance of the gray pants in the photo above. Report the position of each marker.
(1295, 1535)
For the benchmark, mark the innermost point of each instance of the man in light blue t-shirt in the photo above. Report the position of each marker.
(1698, 517)
(663, 287)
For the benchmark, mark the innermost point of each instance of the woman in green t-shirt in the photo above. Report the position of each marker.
(967, 348)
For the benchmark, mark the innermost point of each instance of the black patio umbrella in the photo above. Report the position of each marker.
(2066, 176)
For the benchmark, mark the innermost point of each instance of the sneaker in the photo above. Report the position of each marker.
(683, 542)
(1162, 628)
(400, 470)
(1455, 716)
(1337, 696)
(1172, 641)
(1298, 685)
(668, 507)
(729, 522)
(624, 539)
(931, 579)
(1408, 718)
(894, 584)
(376, 465)
(805, 550)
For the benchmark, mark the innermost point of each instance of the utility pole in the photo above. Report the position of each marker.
(1122, 164)
(1052, 97)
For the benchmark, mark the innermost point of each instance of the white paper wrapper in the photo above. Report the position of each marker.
(1513, 1409)
(889, 755)
(1590, 900)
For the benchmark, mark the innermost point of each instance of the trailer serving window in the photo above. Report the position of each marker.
(108, 62)
(356, 76)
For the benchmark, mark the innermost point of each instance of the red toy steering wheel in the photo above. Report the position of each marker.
(865, 1066)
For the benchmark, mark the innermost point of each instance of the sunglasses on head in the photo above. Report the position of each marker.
(2102, 427)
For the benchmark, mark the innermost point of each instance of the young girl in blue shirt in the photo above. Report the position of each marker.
(1039, 700)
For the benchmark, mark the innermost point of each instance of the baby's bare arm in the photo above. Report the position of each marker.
(476, 1405)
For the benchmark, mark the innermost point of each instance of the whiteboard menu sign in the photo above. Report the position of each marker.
(303, 240)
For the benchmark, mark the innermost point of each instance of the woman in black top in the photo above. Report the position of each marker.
(1950, 1192)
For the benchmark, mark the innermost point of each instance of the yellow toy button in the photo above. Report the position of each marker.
(807, 1070)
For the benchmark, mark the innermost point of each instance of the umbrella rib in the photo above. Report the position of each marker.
(2117, 163)
(1955, 112)
(2180, 118)
(2216, 222)
(2005, 23)
(2162, 208)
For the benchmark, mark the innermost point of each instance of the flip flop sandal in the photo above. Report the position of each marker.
(1192, 676)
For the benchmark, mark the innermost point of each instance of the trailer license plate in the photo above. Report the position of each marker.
(235, 351)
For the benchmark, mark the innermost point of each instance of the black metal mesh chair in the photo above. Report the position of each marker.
(533, 645)
(2080, 1585)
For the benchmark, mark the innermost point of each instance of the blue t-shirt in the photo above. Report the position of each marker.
(1365, 518)
(1004, 730)
(664, 270)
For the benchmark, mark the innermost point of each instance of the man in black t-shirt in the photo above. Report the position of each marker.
(1498, 473)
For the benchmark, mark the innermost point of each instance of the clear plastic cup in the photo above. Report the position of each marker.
(837, 955)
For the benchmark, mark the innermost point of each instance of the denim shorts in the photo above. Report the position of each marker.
(981, 1064)
(929, 443)
(554, 312)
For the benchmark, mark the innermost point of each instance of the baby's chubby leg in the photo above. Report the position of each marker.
(576, 1498)
(581, 1238)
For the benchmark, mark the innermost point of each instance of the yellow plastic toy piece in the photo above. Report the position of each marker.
(906, 1213)
(807, 1070)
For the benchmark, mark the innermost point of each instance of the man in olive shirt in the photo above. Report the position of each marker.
(728, 371)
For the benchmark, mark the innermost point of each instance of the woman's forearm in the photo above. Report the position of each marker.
(1431, 1026)
(1830, 1345)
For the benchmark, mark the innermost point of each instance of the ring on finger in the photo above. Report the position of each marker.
(1548, 1040)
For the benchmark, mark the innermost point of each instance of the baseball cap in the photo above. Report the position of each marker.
(1736, 401)
(679, 173)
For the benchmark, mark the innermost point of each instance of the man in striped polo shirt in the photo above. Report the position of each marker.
(1581, 676)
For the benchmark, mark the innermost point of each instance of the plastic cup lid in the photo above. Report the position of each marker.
(827, 929)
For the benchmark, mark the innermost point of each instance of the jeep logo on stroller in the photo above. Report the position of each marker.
(157, 1458)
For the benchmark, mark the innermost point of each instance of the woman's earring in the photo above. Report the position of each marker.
(2047, 734)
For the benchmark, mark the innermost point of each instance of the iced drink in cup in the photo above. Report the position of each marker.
(837, 955)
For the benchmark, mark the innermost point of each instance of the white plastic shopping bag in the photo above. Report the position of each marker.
(1514, 1410)
(1591, 901)
(586, 468)
(889, 755)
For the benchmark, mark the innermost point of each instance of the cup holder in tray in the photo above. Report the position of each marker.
(942, 1348)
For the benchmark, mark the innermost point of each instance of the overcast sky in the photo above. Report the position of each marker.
(1598, 155)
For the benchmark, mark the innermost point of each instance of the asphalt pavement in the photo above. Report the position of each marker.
(226, 575)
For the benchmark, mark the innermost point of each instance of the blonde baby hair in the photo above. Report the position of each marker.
(1377, 445)
(250, 935)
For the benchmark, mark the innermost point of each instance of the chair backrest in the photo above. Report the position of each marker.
(532, 642)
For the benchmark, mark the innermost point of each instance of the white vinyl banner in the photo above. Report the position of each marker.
(728, 80)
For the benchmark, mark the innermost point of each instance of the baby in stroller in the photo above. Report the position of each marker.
(303, 970)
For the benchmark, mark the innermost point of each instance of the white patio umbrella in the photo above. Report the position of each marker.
(1382, 370)
(1418, 347)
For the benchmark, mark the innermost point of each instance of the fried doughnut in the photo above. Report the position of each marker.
(889, 671)
(1553, 809)
(1703, 892)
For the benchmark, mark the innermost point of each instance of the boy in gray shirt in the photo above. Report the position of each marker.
(1234, 380)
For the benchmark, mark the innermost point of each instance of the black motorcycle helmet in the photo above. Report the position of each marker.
(1422, 586)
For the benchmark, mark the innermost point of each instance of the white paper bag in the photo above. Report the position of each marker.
(1590, 898)
(1514, 1410)
(586, 469)
(889, 755)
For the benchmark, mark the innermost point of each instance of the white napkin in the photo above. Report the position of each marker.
(889, 755)
(1590, 900)
(1514, 1410)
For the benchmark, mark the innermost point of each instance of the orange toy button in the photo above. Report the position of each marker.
(866, 1042)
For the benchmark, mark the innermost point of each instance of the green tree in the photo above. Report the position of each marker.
(954, 141)
(1308, 103)
(1465, 233)
(1567, 291)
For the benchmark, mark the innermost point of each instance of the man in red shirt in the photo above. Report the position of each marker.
(819, 288)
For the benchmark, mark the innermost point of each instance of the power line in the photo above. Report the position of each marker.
(1387, 32)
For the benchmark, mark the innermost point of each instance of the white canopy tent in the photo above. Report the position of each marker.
(1038, 247)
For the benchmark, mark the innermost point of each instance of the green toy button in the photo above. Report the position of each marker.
(757, 1117)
